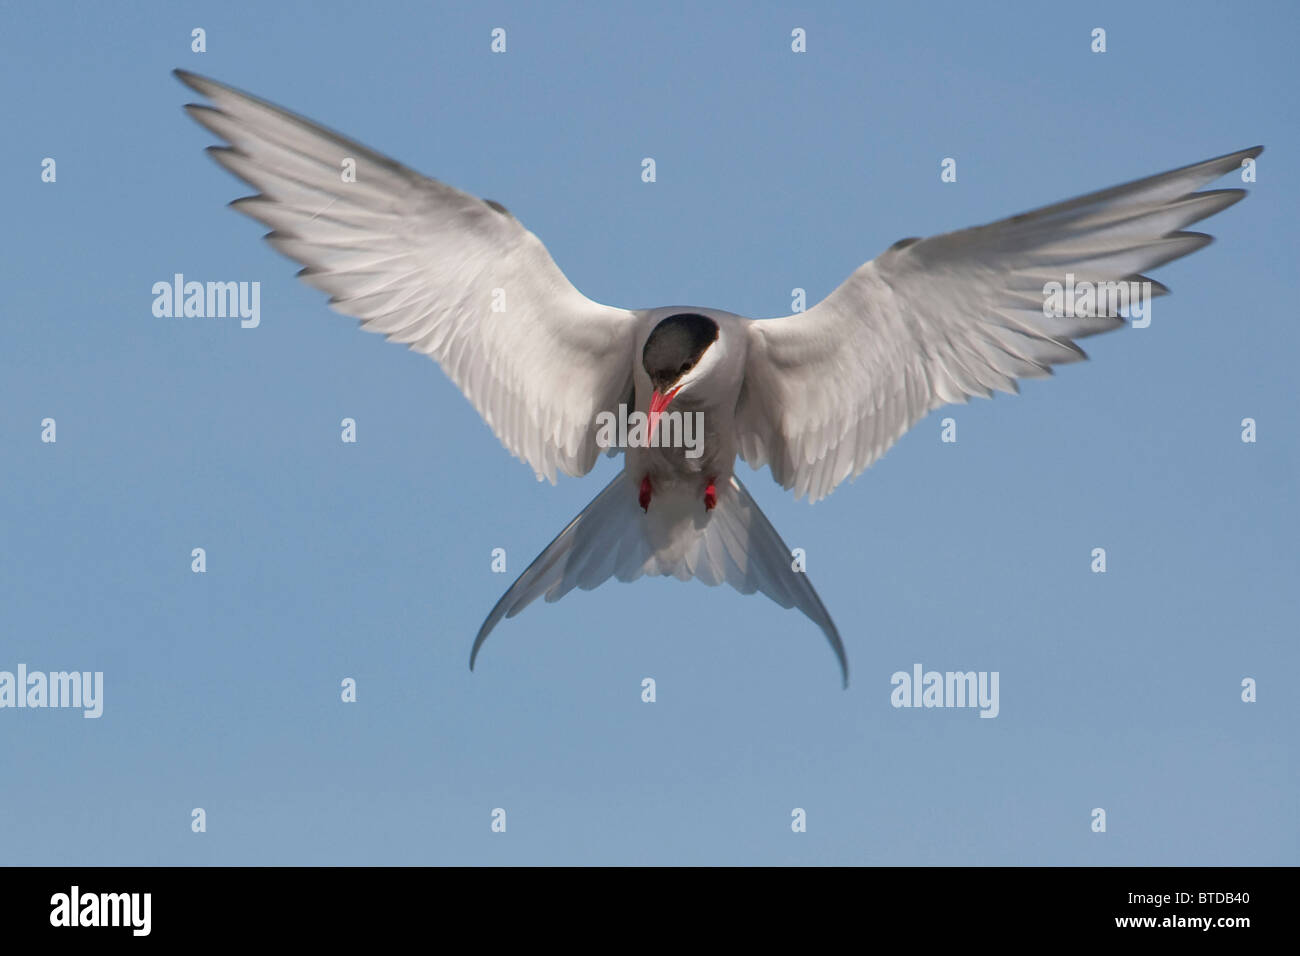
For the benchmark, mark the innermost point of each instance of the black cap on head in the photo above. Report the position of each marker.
(675, 345)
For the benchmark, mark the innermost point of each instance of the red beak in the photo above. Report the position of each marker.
(657, 405)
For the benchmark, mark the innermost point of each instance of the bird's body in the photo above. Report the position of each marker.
(816, 397)
(714, 399)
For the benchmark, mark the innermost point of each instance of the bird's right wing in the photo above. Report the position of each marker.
(937, 320)
(450, 275)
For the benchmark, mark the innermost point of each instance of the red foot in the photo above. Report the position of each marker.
(644, 497)
(710, 496)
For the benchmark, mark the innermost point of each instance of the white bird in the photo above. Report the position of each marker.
(817, 396)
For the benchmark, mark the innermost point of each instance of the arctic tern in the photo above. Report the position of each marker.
(816, 396)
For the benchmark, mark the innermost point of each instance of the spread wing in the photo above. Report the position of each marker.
(450, 275)
(937, 320)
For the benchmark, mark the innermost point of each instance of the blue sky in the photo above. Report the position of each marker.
(775, 170)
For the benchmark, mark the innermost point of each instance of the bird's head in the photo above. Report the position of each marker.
(677, 355)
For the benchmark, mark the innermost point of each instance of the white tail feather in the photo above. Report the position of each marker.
(612, 537)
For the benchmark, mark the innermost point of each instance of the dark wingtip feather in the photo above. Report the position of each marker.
(193, 80)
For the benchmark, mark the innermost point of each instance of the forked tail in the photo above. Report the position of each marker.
(612, 537)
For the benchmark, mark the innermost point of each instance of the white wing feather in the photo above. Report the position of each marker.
(421, 262)
(938, 320)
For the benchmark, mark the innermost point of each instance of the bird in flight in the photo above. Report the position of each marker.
(816, 397)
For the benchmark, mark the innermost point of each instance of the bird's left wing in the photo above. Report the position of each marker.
(453, 276)
(937, 320)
